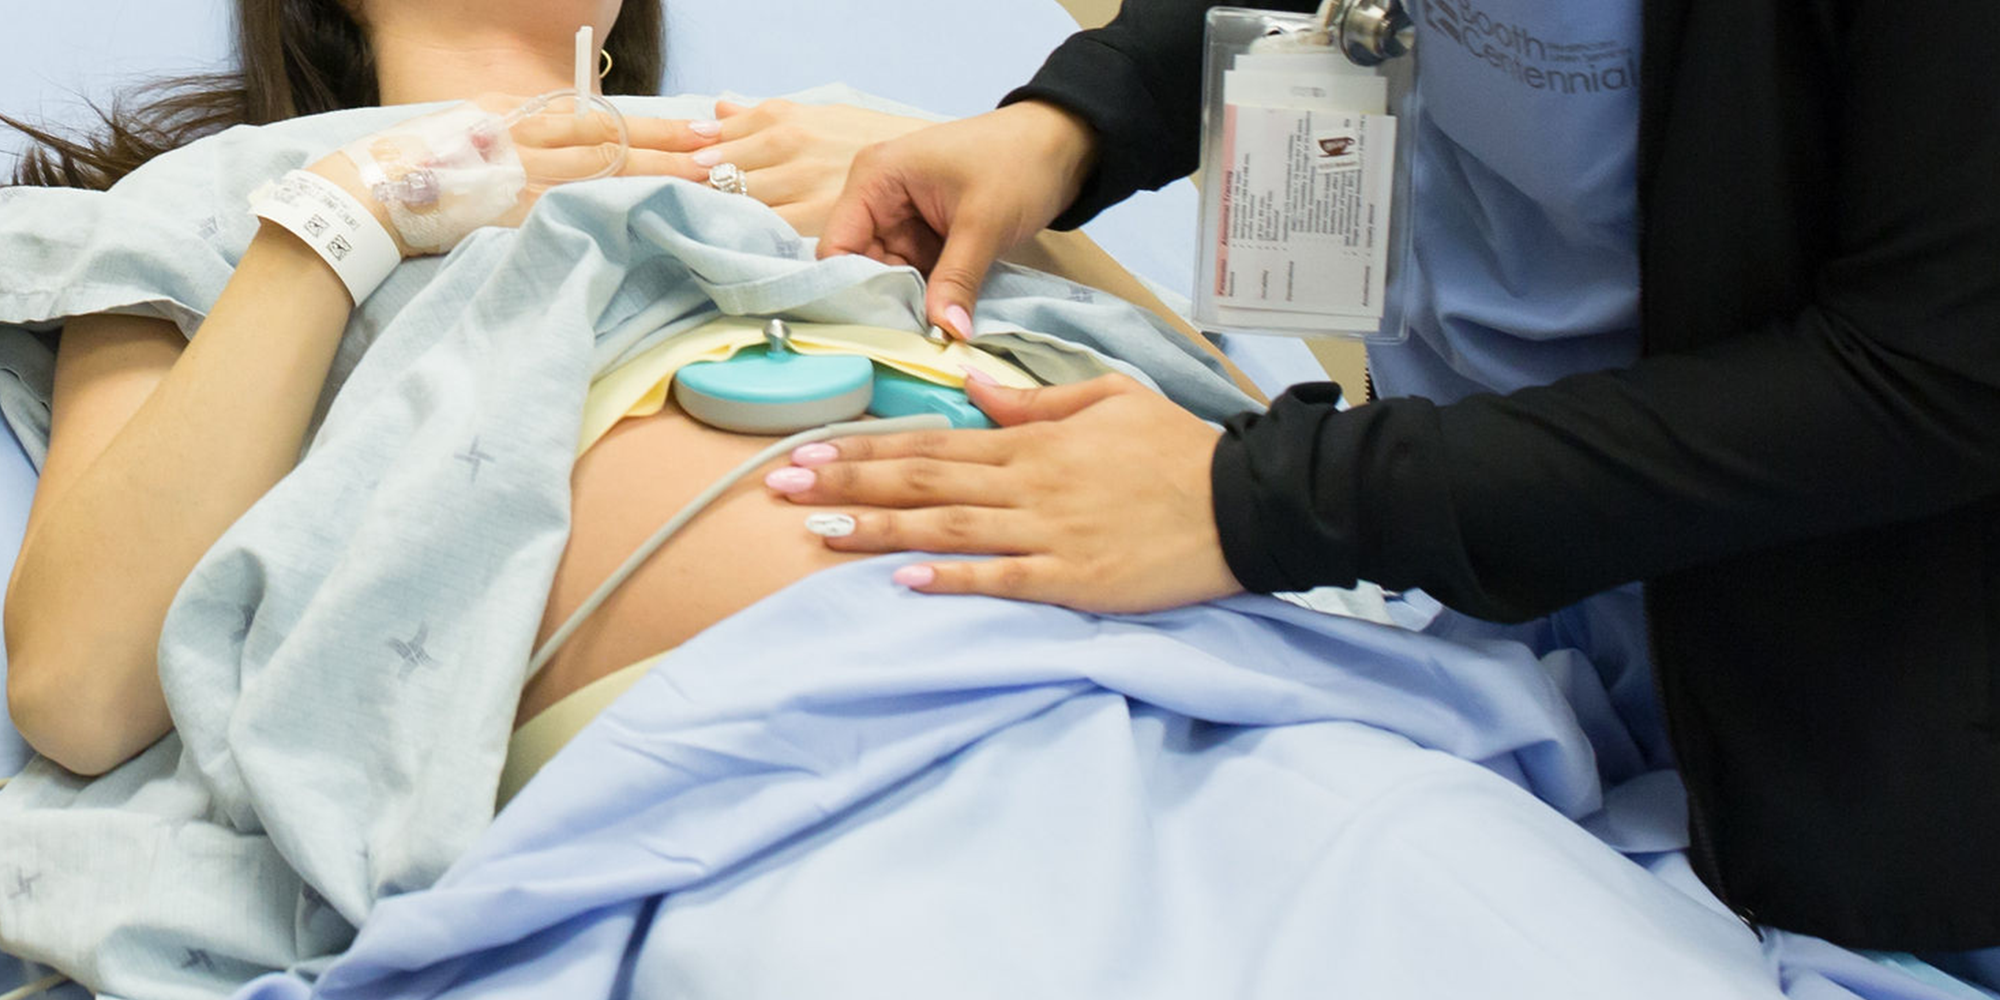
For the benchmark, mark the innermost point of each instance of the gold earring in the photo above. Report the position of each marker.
(606, 71)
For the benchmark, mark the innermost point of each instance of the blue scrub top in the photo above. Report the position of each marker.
(1525, 259)
(1525, 255)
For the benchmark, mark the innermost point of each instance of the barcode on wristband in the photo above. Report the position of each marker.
(335, 225)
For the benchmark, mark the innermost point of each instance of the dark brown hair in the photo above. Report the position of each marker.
(295, 57)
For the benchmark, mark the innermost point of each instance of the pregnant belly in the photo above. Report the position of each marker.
(744, 547)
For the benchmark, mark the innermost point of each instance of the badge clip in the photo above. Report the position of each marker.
(1303, 198)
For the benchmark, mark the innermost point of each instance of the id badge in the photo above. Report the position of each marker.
(1302, 201)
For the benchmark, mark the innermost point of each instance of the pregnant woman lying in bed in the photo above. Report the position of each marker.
(160, 443)
(215, 376)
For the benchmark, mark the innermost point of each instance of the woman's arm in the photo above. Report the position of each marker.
(155, 451)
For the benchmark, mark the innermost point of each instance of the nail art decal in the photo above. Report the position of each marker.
(830, 525)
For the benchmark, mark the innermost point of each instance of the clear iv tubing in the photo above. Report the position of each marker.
(852, 428)
(536, 105)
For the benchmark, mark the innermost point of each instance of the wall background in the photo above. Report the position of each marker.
(53, 56)
(94, 48)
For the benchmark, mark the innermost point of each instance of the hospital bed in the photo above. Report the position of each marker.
(906, 50)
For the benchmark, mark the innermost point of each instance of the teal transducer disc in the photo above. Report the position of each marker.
(760, 392)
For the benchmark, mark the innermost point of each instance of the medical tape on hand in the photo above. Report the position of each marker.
(442, 175)
(335, 225)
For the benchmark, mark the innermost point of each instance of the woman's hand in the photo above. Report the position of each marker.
(952, 198)
(561, 146)
(549, 148)
(795, 156)
(1095, 495)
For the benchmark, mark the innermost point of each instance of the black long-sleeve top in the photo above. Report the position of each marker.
(1809, 424)
(1804, 466)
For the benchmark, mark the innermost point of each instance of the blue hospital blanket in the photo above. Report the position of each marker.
(343, 665)
(1174, 791)
(853, 790)
(17, 493)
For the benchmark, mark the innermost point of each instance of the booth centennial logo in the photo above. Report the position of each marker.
(1562, 67)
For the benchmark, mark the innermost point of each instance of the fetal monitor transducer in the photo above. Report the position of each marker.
(773, 389)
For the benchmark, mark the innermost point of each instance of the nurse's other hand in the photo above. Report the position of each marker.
(794, 157)
(952, 198)
(1095, 496)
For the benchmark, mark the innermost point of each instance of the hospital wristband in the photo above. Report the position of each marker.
(335, 225)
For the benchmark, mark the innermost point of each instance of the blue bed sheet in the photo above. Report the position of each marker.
(852, 790)
(17, 492)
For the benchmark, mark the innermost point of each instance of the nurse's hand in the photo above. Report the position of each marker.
(952, 198)
(1094, 495)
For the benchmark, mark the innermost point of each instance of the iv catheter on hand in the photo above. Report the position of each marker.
(444, 174)
(436, 178)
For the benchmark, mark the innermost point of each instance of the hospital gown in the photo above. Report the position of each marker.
(343, 666)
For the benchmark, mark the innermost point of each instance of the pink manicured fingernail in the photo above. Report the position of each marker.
(961, 323)
(917, 575)
(709, 129)
(975, 375)
(809, 455)
(790, 480)
(707, 157)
